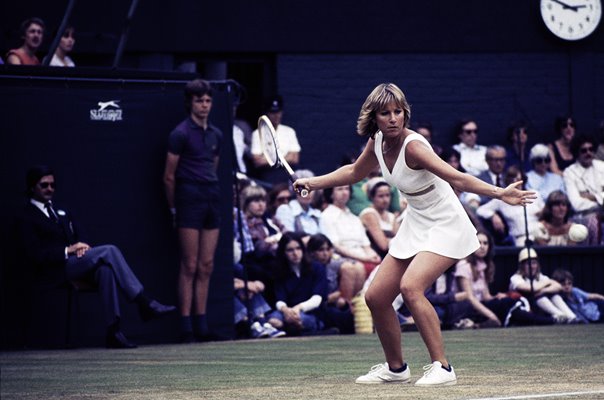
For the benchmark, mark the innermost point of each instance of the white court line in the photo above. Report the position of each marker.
(542, 396)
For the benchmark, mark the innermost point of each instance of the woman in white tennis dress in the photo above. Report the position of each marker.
(435, 220)
(435, 233)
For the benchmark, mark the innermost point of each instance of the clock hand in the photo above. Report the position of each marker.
(567, 6)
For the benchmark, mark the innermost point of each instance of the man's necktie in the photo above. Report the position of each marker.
(498, 181)
(51, 213)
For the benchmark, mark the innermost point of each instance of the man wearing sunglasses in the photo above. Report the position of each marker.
(473, 155)
(540, 178)
(584, 181)
(53, 246)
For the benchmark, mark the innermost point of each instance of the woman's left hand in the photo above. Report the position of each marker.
(515, 196)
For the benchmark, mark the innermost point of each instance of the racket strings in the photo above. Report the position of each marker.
(269, 147)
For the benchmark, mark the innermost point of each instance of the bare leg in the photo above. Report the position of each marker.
(379, 297)
(189, 249)
(352, 277)
(205, 264)
(421, 272)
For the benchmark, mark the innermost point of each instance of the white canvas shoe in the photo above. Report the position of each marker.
(380, 373)
(257, 331)
(272, 332)
(436, 375)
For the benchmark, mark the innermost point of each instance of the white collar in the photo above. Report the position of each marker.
(297, 210)
(40, 205)
(462, 145)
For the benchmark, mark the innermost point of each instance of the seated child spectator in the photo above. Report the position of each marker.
(265, 235)
(300, 289)
(589, 307)
(554, 224)
(545, 291)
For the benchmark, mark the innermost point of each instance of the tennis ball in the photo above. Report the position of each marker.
(577, 232)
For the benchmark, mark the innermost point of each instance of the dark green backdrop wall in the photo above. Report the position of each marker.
(109, 174)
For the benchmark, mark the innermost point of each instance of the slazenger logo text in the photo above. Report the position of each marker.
(107, 111)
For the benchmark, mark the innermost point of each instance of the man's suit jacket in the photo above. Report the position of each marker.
(486, 177)
(44, 241)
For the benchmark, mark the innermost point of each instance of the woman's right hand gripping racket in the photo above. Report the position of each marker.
(270, 149)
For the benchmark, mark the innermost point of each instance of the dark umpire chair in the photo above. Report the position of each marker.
(74, 289)
(65, 299)
(25, 291)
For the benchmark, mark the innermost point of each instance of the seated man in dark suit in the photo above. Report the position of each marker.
(54, 248)
(495, 158)
(494, 175)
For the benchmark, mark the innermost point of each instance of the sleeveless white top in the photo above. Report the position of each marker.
(435, 220)
(386, 226)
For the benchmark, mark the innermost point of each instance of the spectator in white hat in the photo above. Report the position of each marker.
(544, 291)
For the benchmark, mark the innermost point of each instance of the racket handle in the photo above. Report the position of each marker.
(303, 192)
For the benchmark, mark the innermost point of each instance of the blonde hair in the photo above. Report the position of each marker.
(377, 100)
(250, 194)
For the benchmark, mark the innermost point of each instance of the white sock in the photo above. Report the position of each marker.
(562, 306)
(546, 305)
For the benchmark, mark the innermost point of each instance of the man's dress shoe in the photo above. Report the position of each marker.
(117, 340)
(155, 309)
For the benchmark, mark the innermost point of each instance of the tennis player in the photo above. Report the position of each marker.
(435, 233)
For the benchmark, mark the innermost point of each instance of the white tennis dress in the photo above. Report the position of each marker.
(435, 220)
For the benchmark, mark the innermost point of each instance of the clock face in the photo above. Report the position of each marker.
(571, 19)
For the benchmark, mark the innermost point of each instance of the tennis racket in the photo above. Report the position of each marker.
(270, 149)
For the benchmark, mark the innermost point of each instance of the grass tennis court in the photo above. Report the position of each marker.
(559, 362)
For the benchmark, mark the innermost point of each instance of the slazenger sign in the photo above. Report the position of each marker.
(107, 111)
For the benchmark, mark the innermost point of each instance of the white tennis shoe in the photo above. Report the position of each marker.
(380, 373)
(436, 375)
(272, 332)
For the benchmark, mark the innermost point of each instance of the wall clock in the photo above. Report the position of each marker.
(571, 19)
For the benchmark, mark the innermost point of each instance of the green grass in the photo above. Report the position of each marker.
(489, 363)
